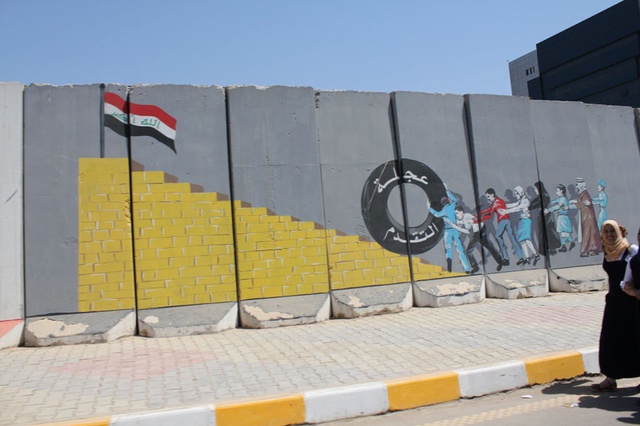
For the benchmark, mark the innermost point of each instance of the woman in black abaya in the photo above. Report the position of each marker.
(619, 353)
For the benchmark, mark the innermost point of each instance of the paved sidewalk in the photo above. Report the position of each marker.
(136, 374)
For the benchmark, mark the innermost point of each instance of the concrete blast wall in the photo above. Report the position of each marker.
(164, 210)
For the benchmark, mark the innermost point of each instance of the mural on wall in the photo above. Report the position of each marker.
(518, 222)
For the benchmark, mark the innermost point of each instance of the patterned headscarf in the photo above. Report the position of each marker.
(612, 252)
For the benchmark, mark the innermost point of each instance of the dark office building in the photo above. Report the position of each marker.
(596, 61)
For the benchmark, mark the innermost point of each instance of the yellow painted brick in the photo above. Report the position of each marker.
(171, 252)
(142, 244)
(120, 198)
(272, 292)
(169, 210)
(205, 260)
(152, 196)
(160, 222)
(200, 230)
(84, 269)
(196, 251)
(313, 251)
(181, 300)
(225, 259)
(148, 275)
(103, 216)
(94, 199)
(202, 298)
(107, 224)
(112, 245)
(177, 262)
(142, 214)
(316, 260)
(299, 270)
(117, 294)
(151, 232)
(84, 306)
(90, 247)
(108, 267)
(140, 206)
(106, 305)
(145, 254)
(86, 226)
(316, 234)
(90, 258)
(120, 178)
(152, 264)
(231, 278)
(120, 234)
(151, 284)
(167, 274)
(364, 264)
(144, 304)
(160, 302)
(202, 196)
(157, 243)
(195, 271)
(148, 177)
(92, 279)
(305, 289)
(267, 282)
(206, 281)
(154, 293)
(250, 293)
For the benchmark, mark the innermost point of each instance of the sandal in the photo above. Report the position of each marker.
(607, 385)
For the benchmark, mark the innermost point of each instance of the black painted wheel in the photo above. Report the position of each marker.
(386, 230)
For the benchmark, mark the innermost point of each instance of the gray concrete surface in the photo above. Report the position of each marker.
(135, 374)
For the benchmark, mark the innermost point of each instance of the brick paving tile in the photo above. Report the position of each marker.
(136, 373)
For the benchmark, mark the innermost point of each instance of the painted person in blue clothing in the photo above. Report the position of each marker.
(563, 223)
(451, 231)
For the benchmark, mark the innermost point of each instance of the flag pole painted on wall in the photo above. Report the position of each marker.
(130, 119)
(102, 120)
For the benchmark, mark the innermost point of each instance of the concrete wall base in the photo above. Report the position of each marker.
(11, 333)
(187, 320)
(449, 291)
(578, 279)
(283, 311)
(518, 285)
(367, 301)
(71, 329)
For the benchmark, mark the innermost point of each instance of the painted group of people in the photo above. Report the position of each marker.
(619, 350)
(553, 228)
(560, 237)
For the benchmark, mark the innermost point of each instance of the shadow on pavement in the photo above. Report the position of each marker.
(621, 400)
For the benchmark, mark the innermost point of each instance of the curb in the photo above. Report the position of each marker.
(368, 399)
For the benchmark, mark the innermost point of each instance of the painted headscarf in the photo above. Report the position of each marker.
(613, 251)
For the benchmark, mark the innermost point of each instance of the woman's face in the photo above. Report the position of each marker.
(609, 234)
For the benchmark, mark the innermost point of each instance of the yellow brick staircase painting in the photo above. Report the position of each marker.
(184, 246)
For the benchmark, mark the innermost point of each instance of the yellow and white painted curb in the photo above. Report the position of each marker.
(368, 398)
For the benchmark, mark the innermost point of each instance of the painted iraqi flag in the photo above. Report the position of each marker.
(144, 120)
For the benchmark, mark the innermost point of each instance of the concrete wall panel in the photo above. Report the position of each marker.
(565, 157)
(11, 256)
(62, 125)
(505, 159)
(182, 212)
(281, 247)
(432, 131)
(614, 143)
(357, 154)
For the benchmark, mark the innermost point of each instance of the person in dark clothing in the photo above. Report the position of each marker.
(619, 353)
(548, 239)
